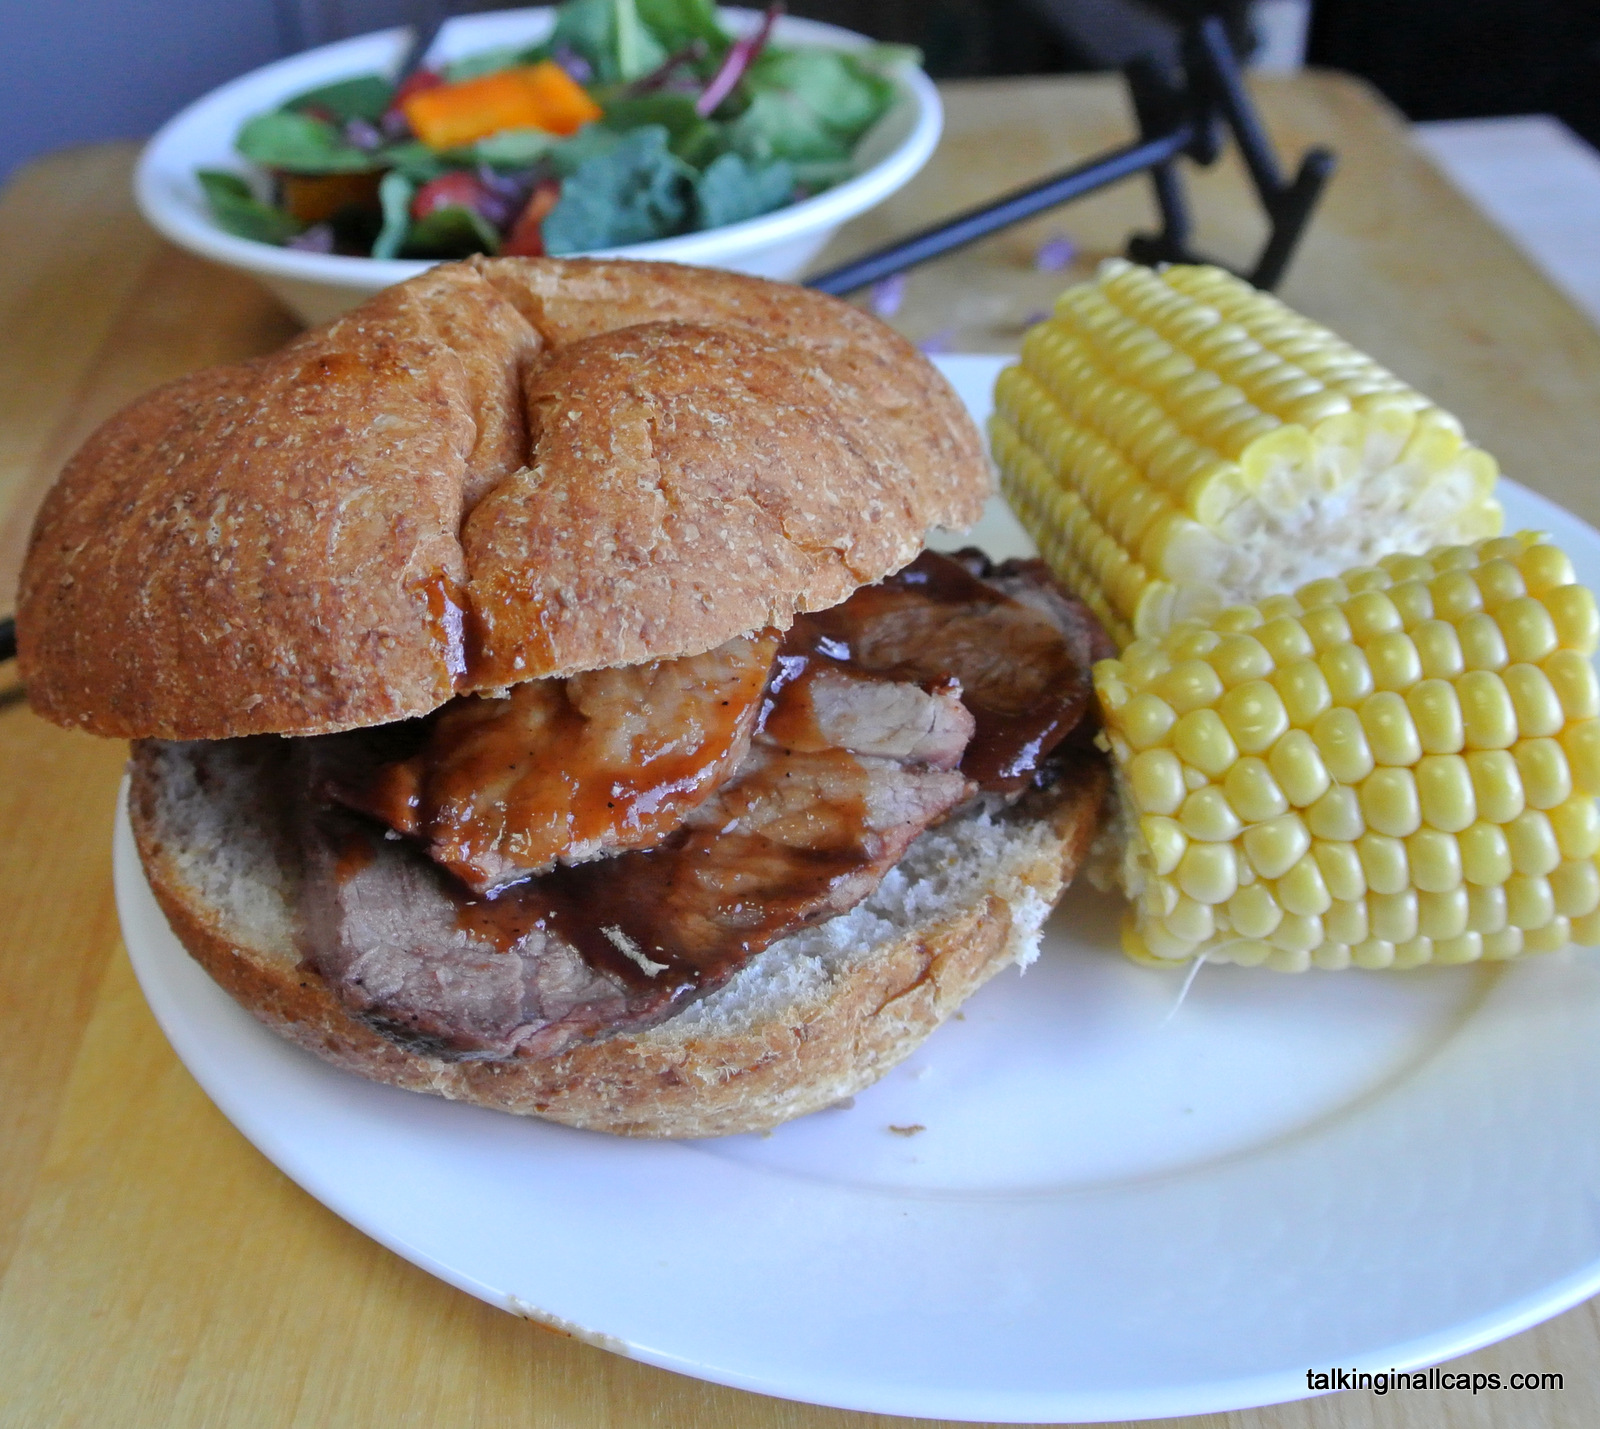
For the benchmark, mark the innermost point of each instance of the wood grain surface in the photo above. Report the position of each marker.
(154, 1269)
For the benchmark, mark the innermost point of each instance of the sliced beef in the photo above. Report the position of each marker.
(1021, 663)
(677, 817)
(794, 837)
(562, 771)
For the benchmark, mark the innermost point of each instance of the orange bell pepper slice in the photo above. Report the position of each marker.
(542, 96)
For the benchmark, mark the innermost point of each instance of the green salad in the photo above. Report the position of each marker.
(635, 120)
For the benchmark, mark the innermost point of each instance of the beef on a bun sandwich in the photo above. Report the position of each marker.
(540, 695)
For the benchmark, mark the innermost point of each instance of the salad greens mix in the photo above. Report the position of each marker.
(634, 120)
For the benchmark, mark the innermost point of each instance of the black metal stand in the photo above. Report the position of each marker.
(1179, 117)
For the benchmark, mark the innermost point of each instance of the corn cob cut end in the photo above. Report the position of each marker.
(1177, 442)
(1395, 767)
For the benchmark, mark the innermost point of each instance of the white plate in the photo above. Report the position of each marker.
(1115, 1210)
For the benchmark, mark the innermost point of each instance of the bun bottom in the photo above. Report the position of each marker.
(812, 1020)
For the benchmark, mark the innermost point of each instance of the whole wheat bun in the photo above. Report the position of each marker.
(601, 463)
(810, 1021)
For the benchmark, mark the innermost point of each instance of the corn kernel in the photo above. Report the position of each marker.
(1487, 716)
(1253, 792)
(1436, 713)
(1297, 933)
(1156, 779)
(1337, 816)
(1572, 676)
(1373, 953)
(1393, 916)
(1499, 581)
(1502, 944)
(1542, 767)
(1438, 649)
(1585, 930)
(1254, 912)
(1461, 948)
(1551, 938)
(1391, 735)
(1285, 640)
(1146, 720)
(1530, 903)
(1193, 922)
(1331, 956)
(1533, 845)
(1302, 889)
(1389, 802)
(1572, 609)
(1348, 675)
(1207, 872)
(1455, 596)
(1577, 826)
(1255, 716)
(1483, 647)
(1413, 953)
(1326, 627)
(1207, 815)
(1443, 913)
(1240, 658)
(1341, 870)
(1342, 744)
(1413, 600)
(1526, 628)
(1445, 793)
(1346, 920)
(1297, 766)
(1486, 906)
(1384, 863)
(1304, 691)
(1277, 845)
(1544, 567)
(1496, 785)
(1575, 888)
(1534, 701)
(1581, 744)
(1166, 841)
(1202, 739)
(1394, 661)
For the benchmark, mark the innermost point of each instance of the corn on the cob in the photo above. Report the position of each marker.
(1394, 767)
(1177, 441)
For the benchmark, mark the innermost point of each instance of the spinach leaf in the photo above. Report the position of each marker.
(638, 51)
(512, 148)
(241, 213)
(783, 126)
(415, 160)
(301, 144)
(842, 93)
(488, 61)
(677, 23)
(451, 232)
(590, 142)
(395, 192)
(732, 190)
(364, 97)
(637, 191)
(610, 35)
(674, 112)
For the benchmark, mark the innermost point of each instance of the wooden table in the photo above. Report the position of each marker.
(154, 1269)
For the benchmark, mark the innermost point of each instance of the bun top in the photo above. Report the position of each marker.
(503, 469)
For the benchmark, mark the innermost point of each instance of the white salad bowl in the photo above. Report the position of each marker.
(318, 286)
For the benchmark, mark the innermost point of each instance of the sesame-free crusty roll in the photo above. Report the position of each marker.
(503, 469)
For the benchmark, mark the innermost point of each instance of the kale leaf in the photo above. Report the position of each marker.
(732, 190)
(636, 191)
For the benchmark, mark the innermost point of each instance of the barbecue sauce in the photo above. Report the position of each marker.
(677, 919)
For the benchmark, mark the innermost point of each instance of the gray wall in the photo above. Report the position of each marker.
(77, 71)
